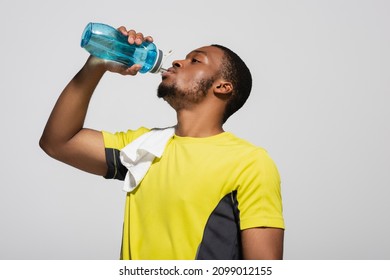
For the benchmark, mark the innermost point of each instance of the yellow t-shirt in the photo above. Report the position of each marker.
(195, 199)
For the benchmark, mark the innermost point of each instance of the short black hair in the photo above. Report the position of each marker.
(234, 70)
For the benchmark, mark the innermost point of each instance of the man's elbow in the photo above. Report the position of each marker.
(50, 148)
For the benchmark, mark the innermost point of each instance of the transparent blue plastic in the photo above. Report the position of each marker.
(106, 42)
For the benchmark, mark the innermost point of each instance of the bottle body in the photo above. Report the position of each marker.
(106, 42)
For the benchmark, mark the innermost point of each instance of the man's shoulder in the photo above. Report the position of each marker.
(247, 151)
(244, 143)
(120, 139)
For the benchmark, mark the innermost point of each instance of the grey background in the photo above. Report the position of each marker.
(319, 105)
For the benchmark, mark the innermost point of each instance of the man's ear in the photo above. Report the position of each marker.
(223, 88)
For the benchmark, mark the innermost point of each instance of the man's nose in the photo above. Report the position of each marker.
(177, 63)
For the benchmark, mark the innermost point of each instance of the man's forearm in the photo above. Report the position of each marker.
(68, 115)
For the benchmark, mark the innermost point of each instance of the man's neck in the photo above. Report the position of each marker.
(190, 124)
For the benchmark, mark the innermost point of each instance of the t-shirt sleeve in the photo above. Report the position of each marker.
(259, 194)
(113, 143)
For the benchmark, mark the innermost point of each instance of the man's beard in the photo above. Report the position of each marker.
(179, 98)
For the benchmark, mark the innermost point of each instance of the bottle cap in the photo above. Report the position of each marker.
(161, 57)
(157, 65)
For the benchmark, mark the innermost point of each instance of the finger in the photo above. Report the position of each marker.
(149, 38)
(132, 36)
(133, 70)
(123, 30)
(139, 38)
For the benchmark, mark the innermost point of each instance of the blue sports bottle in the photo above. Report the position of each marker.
(106, 42)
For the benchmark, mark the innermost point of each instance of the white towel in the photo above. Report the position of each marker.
(139, 155)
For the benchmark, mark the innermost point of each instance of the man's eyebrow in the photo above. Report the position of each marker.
(198, 51)
(202, 52)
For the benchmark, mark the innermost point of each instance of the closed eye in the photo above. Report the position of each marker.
(194, 60)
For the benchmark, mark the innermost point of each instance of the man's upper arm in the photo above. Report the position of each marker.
(262, 243)
(261, 210)
(86, 152)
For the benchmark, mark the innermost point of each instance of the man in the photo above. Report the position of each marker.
(210, 195)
